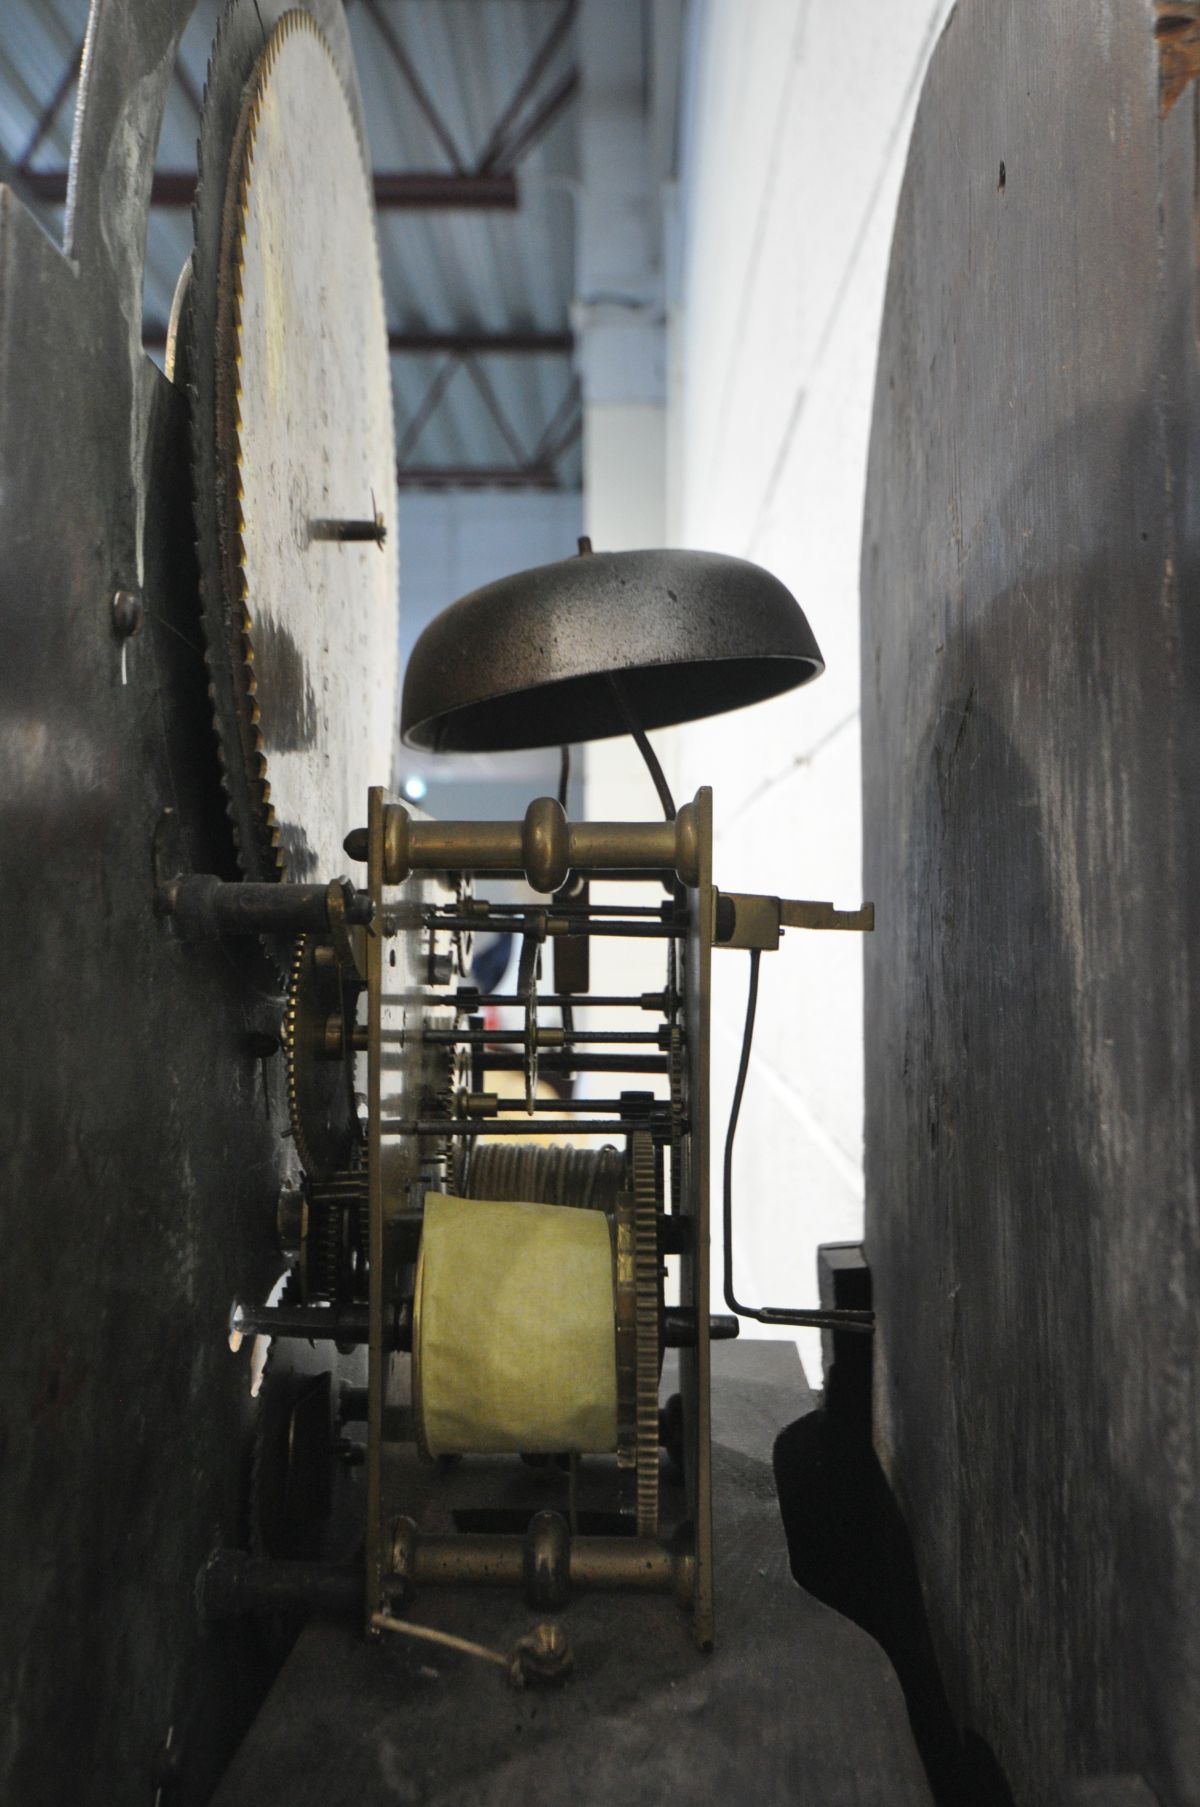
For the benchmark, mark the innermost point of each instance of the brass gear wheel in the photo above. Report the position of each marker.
(333, 1253)
(638, 1351)
(320, 1082)
(675, 1060)
(304, 1502)
(285, 355)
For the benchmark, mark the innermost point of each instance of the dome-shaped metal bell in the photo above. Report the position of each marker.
(526, 662)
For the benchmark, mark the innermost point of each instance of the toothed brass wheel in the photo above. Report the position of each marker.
(318, 1029)
(638, 1350)
(287, 362)
(334, 1251)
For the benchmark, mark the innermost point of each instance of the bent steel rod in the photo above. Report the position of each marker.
(579, 1063)
(495, 1126)
(519, 912)
(485, 1038)
(573, 1104)
(576, 926)
(579, 1000)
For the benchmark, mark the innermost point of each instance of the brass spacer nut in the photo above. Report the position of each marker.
(128, 613)
(396, 862)
(546, 844)
(547, 1561)
(400, 1582)
(687, 845)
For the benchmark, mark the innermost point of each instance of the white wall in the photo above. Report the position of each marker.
(621, 351)
(796, 129)
(453, 541)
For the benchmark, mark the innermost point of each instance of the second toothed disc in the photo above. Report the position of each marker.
(292, 436)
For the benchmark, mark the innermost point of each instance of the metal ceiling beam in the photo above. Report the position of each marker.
(189, 89)
(484, 344)
(493, 156)
(429, 401)
(539, 123)
(416, 87)
(490, 186)
(18, 181)
(49, 112)
(412, 190)
(433, 189)
(553, 449)
(458, 343)
(563, 427)
(491, 402)
(507, 142)
(529, 470)
(479, 476)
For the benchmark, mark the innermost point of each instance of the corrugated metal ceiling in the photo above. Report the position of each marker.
(446, 271)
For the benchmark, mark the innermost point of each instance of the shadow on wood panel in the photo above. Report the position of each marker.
(848, 1546)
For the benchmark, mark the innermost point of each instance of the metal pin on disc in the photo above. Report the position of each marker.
(374, 530)
(531, 943)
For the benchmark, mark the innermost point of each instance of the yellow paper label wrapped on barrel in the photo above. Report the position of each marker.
(514, 1340)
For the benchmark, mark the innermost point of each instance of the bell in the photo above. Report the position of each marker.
(528, 661)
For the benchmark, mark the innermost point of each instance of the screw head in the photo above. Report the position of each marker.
(291, 1219)
(543, 1655)
(128, 613)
